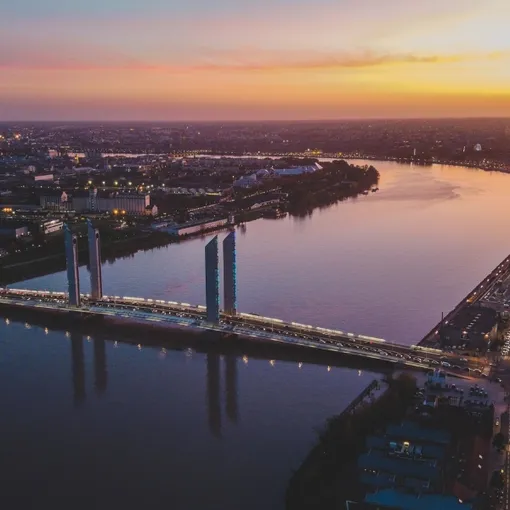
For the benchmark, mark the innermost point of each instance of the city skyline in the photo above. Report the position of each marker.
(278, 60)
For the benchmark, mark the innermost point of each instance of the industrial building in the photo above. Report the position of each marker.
(212, 281)
(230, 274)
(73, 276)
(134, 204)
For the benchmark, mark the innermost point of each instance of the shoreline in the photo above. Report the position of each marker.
(328, 476)
(427, 340)
(382, 159)
(53, 263)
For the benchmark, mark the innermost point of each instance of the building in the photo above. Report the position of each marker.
(133, 204)
(212, 281)
(298, 170)
(246, 181)
(400, 500)
(96, 278)
(230, 274)
(196, 228)
(73, 276)
(14, 231)
(53, 202)
(408, 456)
(43, 178)
(50, 226)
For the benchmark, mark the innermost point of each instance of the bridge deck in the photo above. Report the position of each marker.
(253, 326)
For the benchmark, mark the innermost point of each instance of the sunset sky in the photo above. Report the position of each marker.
(259, 59)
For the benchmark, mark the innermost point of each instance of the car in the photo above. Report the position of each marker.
(445, 364)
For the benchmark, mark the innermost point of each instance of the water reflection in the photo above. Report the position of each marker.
(78, 368)
(100, 370)
(213, 393)
(231, 387)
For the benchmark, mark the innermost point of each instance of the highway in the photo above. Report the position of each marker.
(252, 326)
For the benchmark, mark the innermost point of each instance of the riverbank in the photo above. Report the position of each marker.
(500, 272)
(31, 268)
(328, 476)
(335, 182)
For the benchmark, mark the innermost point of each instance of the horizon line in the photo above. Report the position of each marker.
(231, 121)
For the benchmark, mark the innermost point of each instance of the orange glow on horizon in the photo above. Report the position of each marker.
(430, 60)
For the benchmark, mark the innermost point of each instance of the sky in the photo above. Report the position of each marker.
(253, 60)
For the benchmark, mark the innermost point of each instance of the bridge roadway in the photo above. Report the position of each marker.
(253, 326)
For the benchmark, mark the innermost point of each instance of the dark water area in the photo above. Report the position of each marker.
(95, 423)
(99, 422)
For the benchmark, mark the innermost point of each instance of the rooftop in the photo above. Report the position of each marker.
(396, 499)
(427, 451)
(411, 431)
(400, 466)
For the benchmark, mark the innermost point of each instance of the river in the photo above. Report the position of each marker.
(125, 426)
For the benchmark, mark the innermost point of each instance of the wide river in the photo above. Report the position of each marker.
(105, 424)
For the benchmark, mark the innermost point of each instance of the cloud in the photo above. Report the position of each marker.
(272, 62)
(242, 60)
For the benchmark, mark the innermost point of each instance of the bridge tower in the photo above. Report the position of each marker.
(96, 278)
(212, 281)
(230, 274)
(73, 276)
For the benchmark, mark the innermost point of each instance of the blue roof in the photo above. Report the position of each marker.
(405, 501)
(380, 480)
(411, 431)
(399, 466)
(430, 451)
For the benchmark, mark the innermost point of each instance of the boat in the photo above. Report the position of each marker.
(374, 190)
(364, 192)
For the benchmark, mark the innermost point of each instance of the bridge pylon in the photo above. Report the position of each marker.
(212, 281)
(96, 277)
(230, 274)
(73, 276)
